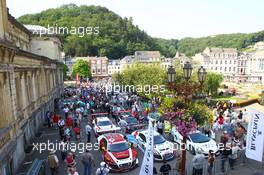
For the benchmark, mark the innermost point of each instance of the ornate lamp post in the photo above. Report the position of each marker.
(187, 70)
(201, 74)
(185, 126)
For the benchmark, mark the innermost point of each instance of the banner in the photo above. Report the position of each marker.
(255, 136)
(147, 164)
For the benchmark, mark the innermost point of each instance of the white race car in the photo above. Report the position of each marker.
(196, 140)
(163, 149)
(104, 125)
(117, 153)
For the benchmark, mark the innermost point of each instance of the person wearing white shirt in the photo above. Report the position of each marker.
(198, 162)
(88, 130)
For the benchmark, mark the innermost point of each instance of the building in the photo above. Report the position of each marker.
(235, 66)
(167, 62)
(256, 63)
(29, 86)
(145, 57)
(98, 66)
(45, 44)
(114, 67)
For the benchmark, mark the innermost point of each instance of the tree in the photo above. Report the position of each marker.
(143, 75)
(82, 68)
(212, 83)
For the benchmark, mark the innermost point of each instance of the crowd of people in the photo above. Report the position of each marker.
(79, 104)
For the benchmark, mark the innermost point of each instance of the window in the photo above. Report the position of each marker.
(234, 69)
(225, 61)
(216, 62)
(230, 62)
(225, 69)
(235, 62)
(221, 62)
(229, 69)
(215, 68)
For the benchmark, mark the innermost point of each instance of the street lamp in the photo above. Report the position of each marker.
(171, 74)
(187, 70)
(201, 74)
(186, 89)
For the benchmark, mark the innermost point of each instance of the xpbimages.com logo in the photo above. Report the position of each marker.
(80, 147)
(146, 89)
(64, 30)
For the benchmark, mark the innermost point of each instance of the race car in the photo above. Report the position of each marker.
(196, 141)
(163, 149)
(117, 153)
(104, 125)
(130, 123)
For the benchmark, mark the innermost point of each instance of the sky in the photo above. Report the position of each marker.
(170, 19)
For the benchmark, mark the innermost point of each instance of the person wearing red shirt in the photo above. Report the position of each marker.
(69, 122)
(77, 133)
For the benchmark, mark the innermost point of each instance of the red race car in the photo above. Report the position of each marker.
(117, 153)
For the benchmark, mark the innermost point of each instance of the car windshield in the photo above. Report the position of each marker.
(104, 123)
(158, 139)
(131, 120)
(118, 147)
(199, 138)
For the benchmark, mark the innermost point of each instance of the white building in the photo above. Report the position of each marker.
(114, 67)
(233, 65)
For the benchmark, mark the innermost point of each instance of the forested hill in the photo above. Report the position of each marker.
(119, 37)
(191, 46)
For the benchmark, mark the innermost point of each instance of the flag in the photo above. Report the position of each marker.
(147, 164)
(255, 136)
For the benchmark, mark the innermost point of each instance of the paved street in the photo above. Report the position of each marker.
(53, 135)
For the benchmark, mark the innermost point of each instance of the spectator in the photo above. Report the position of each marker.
(88, 130)
(211, 159)
(87, 160)
(198, 162)
(234, 154)
(160, 127)
(53, 162)
(165, 168)
(103, 169)
(77, 131)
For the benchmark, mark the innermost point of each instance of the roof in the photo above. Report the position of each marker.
(18, 24)
(147, 54)
(128, 59)
(114, 137)
(36, 29)
(225, 50)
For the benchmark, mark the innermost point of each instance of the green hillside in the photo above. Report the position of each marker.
(119, 36)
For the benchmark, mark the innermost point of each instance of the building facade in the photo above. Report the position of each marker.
(114, 67)
(144, 57)
(235, 66)
(29, 85)
(98, 66)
